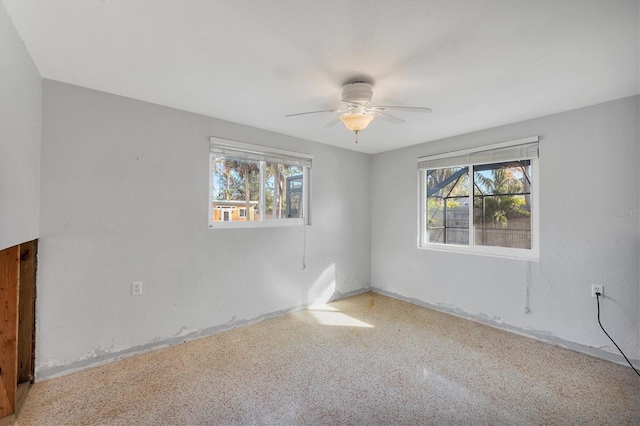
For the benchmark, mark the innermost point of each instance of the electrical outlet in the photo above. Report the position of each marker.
(595, 288)
(136, 288)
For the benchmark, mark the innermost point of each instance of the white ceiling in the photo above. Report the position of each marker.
(477, 64)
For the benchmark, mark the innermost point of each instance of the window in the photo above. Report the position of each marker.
(253, 186)
(481, 200)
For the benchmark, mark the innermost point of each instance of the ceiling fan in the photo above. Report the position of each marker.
(356, 113)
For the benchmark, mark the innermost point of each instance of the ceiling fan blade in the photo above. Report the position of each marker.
(405, 108)
(352, 103)
(335, 120)
(312, 112)
(388, 117)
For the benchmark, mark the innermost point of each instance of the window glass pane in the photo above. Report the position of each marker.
(502, 204)
(236, 184)
(294, 196)
(261, 185)
(283, 191)
(448, 205)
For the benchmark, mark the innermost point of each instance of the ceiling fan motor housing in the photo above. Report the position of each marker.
(358, 92)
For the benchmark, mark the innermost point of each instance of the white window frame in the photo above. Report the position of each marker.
(264, 154)
(464, 159)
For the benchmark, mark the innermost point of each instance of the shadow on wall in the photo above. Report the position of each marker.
(324, 288)
(322, 292)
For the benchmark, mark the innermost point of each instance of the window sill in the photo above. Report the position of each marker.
(276, 223)
(501, 252)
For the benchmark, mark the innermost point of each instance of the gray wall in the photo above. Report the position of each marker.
(124, 198)
(20, 113)
(588, 165)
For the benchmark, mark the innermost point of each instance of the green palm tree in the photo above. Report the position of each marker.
(497, 197)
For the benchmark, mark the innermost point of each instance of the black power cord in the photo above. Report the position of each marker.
(605, 332)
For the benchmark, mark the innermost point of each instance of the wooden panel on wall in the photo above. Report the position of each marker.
(9, 285)
(27, 311)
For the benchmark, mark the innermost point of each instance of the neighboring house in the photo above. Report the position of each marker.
(234, 211)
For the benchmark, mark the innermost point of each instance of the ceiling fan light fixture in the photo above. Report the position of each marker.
(356, 121)
(357, 112)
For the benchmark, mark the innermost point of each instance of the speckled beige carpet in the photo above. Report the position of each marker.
(365, 360)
